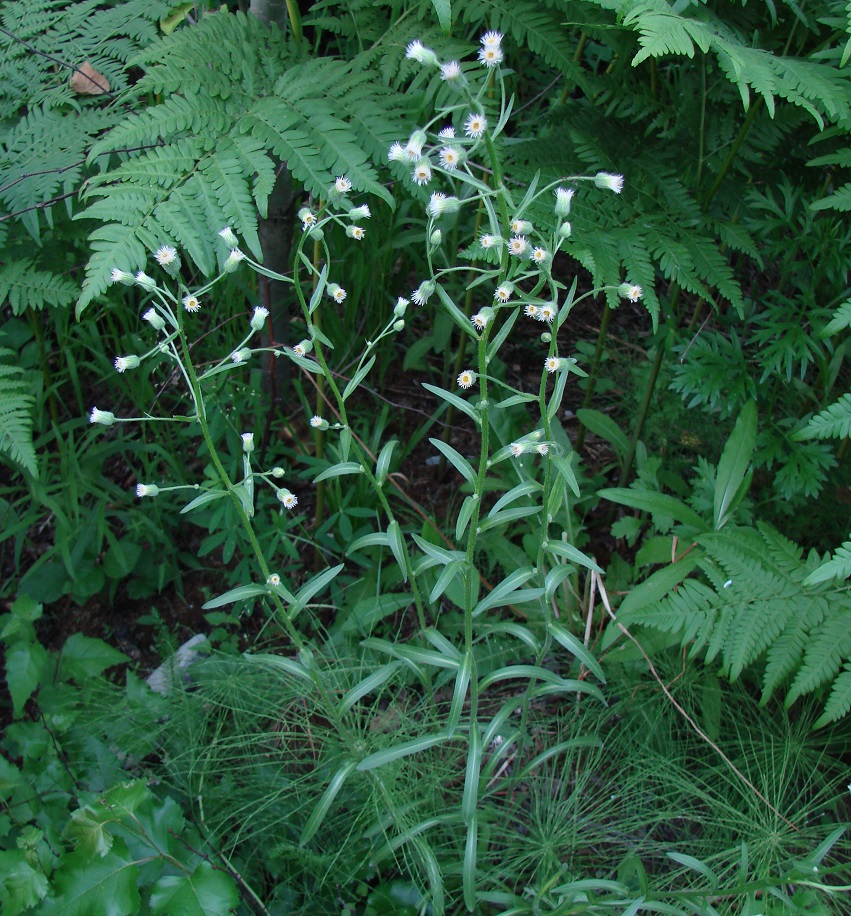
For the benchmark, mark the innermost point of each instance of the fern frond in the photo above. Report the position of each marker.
(833, 422)
(23, 286)
(838, 567)
(16, 402)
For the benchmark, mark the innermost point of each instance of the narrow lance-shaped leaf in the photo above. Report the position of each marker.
(733, 465)
(324, 803)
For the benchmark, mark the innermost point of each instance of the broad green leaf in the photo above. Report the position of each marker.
(240, 593)
(662, 503)
(444, 580)
(279, 663)
(83, 657)
(441, 643)
(324, 803)
(515, 493)
(696, 865)
(524, 634)
(457, 315)
(558, 394)
(507, 516)
(566, 639)
(207, 891)
(26, 665)
(339, 470)
(500, 337)
(376, 539)
(21, 886)
(733, 466)
(316, 584)
(391, 754)
(316, 296)
(101, 887)
(563, 466)
(456, 459)
(535, 672)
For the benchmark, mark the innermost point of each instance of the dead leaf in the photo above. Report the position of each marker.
(85, 80)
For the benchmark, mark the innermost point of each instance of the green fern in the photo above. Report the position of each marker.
(23, 286)
(16, 401)
(760, 601)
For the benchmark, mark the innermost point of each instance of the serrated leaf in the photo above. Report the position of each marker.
(83, 657)
(25, 667)
(207, 891)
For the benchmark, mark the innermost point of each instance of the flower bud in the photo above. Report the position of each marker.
(401, 307)
(417, 51)
(436, 238)
(609, 182)
(356, 232)
(146, 282)
(399, 325)
(146, 489)
(288, 499)
(628, 291)
(121, 276)
(103, 417)
(166, 256)
(229, 238)
(240, 356)
(318, 422)
(546, 337)
(248, 443)
(123, 363)
(258, 319)
(153, 319)
(233, 260)
(563, 199)
(565, 230)
(278, 472)
(361, 212)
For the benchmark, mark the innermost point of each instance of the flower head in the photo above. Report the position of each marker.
(308, 218)
(190, 303)
(401, 307)
(417, 51)
(233, 260)
(342, 185)
(450, 158)
(258, 319)
(475, 125)
(503, 292)
(123, 363)
(422, 172)
(521, 226)
(546, 313)
(396, 153)
(146, 489)
(489, 241)
(542, 448)
(553, 363)
(451, 72)
(166, 256)
(302, 348)
(627, 291)
(274, 580)
(609, 182)
(121, 276)
(563, 198)
(414, 148)
(435, 204)
(531, 311)
(490, 56)
(540, 255)
(336, 292)
(318, 422)
(229, 238)
(288, 499)
(491, 40)
(361, 212)
(356, 232)
(517, 246)
(247, 442)
(446, 133)
(102, 417)
(467, 378)
(421, 294)
(154, 319)
(146, 282)
(241, 355)
(516, 449)
(482, 318)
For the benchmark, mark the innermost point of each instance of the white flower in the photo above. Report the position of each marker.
(546, 313)
(233, 260)
(446, 133)
(247, 442)
(361, 212)
(229, 238)
(318, 422)
(553, 363)
(153, 319)
(451, 71)
(342, 185)
(190, 303)
(481, 319)
(421, 294)
(517, 449)
(355, 232)
(121, 276)
(146, 489)
(335, 292)
(240, 356)
(609, 182)
(627, 291)
(475, 125)
(258, 319)
(401, 307)
(563, 198)
(123, 363)
(490, 57)
(531, 311)
(414, 147)
(489, 241)
(517, 246)
(542, 448)
(491, 40)
(467, 378)
(396, 153)
(287, 498)
(303, 347)
(540, 255)
(146, 282)
(422, 172)
(450, 158)
(503, 292)
(165, 255)
(103, 417)
(274, 580)
(417, 51)
(521, 226)
(435, 205)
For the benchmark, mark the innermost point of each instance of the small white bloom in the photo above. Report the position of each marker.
(609, 182)
(481, 319)
(103, 417)
(337, 293)
(146, 489)
(274, 580)
(258, 319)
(303, 347)
(521, 226)
(154, 320)
(396, 153)
(475, 125)
(415, 144)
(542, 448)
(546, 313)
(490, 57)
(121, 276)
(422, 172)
(435, 205)
(421, 294)
(247, 442)
(451, 71)
(563, 198)
(517, 449)
(401, 307)
(288, 499)
(450, 158)
(627, 291)
(517, 246)
(540, 255)
(503, 292)
(553, 363)
(446, 133)
(318, 423)
(467, 378)
(240, 356)
(146, 282)
(342, 185)
(229, 238)
(489, 241)
(123, 363)
(361, 212)
(355, 232)
(417, 51)
(531, 311)
(233, 260)
(165, 255)
(491, 40)
(190, 303)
